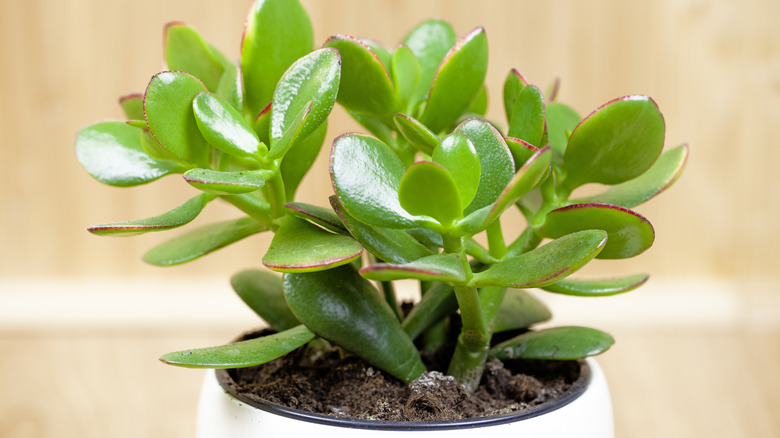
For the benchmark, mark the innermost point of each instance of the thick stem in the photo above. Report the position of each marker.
(274, 191)
(496, 244)
(471, 350)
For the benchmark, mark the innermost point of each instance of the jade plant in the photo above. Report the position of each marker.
(422, 198)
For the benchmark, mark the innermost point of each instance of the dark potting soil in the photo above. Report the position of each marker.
(334, 384)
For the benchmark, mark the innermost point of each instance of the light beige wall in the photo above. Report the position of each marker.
(713, 67)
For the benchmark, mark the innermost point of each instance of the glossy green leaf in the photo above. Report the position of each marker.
(527, 122)
(479, 105)
(299, 159)
(435, 305)
(666, 170)
(440, 267)
(406, 76)
(231, 88)
(430, 41)
(187, 51)
(345, 308)
(519, 310)
(299, 246)
(521, 150)
(168, 109)
(376, 127)
(629, 232)
(457, 154)
(416, 133)
(616, 143)
(365, 174)
(324, 217)
(225, 183)
(513, 85)
(313, 78)
(177, 217)
(546, 264)
(263, 292)
(262, 125)
(112, 153)
(133, 106)
(428, 189)
(366, 86)
(559, 343)
(561, 121)
(390, 245)
(277, 33)
(153, 148)
(288, 139)
(223, 126)
(384, 54)
(201, 241)
(597, 288)
(242, 354)
(527, 178)
(495, 159)
(458, 80)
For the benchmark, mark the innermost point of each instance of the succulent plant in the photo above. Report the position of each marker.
(411, 201)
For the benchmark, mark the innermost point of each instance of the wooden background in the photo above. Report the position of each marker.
(712, 66)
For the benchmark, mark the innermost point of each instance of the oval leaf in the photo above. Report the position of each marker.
(457, 154)
(406, 76)
(313, 78)
(133, 106)
(597, 288)
(416, 133)
(242, 354)
(231, 87)
(202, 241)
(616, 143)
(223, 126)
(458, 80)
(277, 33)
(519, 310)
(186, 50)
(263, 292)
(521, 150)
(225, 183)
(546, 264)
(428, 189)
(324, 217)
(112, 153)
(513, 85)
(299, 246)
(429, 41)
(440, 267)
(629, 232)
(527, 178)
(291, 135)
(299, 159)
(561, 121)
(341, 306)
(177, 217)
(559, 343)
(527, 122)
(168, 111)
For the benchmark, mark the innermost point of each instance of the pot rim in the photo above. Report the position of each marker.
(577, 388)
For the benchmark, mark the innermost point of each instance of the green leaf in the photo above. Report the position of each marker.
(416, 133)
(429, 41)
(495, 159)
(521, 150)
(395, 246)
(446, 268)
(242, 354)
(177, 217)
(513, 85)
(383, 53)
(526, 179)
(154, 149)
(428, 189)
(376, 127)
(168, 109)
(519, 310)
(225, 183)
(629, 232)
(223, 126)
(202, 241)
(559, 343)
(299, 246)
(187, 51)
(457, 154)
(561, 120)
(324, 217)
(313, 78)
(666, 170)
(299, 159)
(527, 122)
(366, 174)
(343, 307)
(597, 288)
(616, 143)
(133, 106)
(366, 86)
(546, 264)
(290, 136)
(406, 76)
(479, 105)
(112, 153)
(262, 124)
(277, 33)
(457, 82)
(263, 292)
(231, 87)
(436, 304)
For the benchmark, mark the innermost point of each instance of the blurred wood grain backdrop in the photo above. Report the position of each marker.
(712, 66)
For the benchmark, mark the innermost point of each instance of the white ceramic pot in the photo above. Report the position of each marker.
(585, 411)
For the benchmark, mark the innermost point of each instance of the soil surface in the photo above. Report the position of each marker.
(333, 383)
